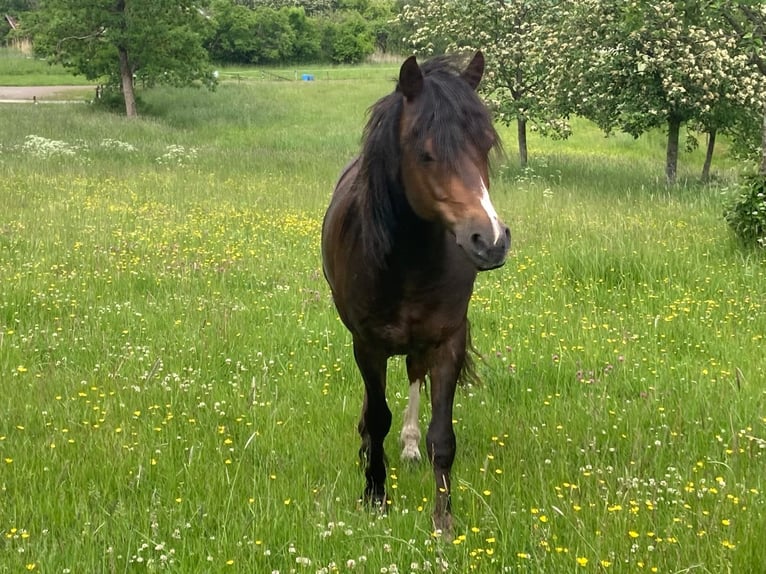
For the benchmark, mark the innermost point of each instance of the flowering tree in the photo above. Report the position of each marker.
(655, 63)
(747, 22)
(520, 41)
(746, 215)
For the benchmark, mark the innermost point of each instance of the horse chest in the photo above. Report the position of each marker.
(415, 313)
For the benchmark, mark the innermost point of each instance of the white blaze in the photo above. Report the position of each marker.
(486, 203)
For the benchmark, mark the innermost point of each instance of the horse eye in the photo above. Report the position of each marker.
(426, 157)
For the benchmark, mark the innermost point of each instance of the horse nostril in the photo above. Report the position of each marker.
(476, 241)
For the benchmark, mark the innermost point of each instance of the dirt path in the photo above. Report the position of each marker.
(40, 93)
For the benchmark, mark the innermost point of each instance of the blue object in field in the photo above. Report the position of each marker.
(307, 77)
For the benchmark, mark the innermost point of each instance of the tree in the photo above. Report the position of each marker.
(273, 37)
(520, 40)
(15, 7)
(641, 64)
(748, 25)
(157, 41)
(347, 38)
(233, 38)
(747, 214)
(381, 15)
(311, 7)
(307, 44)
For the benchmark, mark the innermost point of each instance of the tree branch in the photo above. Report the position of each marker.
(86, 37)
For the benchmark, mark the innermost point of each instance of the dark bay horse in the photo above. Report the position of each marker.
(409, 226)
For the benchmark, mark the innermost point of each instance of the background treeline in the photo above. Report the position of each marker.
(283, 31)
(279, 31)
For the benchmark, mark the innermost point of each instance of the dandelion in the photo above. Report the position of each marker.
(582, 561)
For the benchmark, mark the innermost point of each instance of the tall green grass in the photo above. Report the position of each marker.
(179, 394)
(19, 69)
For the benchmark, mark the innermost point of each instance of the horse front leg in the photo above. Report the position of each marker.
(446, 364)
(374, 423)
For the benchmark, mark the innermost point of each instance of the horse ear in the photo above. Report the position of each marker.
(410, 79)
(475, 70)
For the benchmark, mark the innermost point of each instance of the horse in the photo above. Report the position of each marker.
(409, 225)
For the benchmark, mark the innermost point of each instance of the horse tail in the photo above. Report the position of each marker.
(468, 374)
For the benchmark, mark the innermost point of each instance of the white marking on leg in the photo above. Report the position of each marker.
(486, 203)
(410, 435)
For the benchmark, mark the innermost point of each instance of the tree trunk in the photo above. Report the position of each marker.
(126, 76)
(522, 131)
(709, 154)
(671, 159)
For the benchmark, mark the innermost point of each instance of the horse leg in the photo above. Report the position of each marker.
(374, 423)
(446, 363)
(410, 435)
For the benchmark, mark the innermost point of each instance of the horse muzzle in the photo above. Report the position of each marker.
(486, 248)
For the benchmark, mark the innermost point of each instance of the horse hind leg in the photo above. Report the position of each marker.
(410, 435)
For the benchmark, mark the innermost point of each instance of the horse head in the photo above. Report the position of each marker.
(446, 136)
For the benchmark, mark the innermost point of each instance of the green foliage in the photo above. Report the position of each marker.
(347, 38)
(232, 39)
(307, 44)
(746, 215)
(268, 35)
(273, 36)
(162, 39)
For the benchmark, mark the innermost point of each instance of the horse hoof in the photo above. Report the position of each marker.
(411, 454)
(376, 502)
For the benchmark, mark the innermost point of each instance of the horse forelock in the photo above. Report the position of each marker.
(450, 113)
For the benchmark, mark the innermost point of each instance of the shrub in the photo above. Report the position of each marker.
(347, 39)
(747, 213)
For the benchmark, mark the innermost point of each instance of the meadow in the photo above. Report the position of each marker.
(179, 395)
(18, 69)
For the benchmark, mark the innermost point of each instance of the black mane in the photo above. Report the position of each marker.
(449, 112)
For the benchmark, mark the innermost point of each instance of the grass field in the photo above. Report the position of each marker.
(17, 69)
(180, 396)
